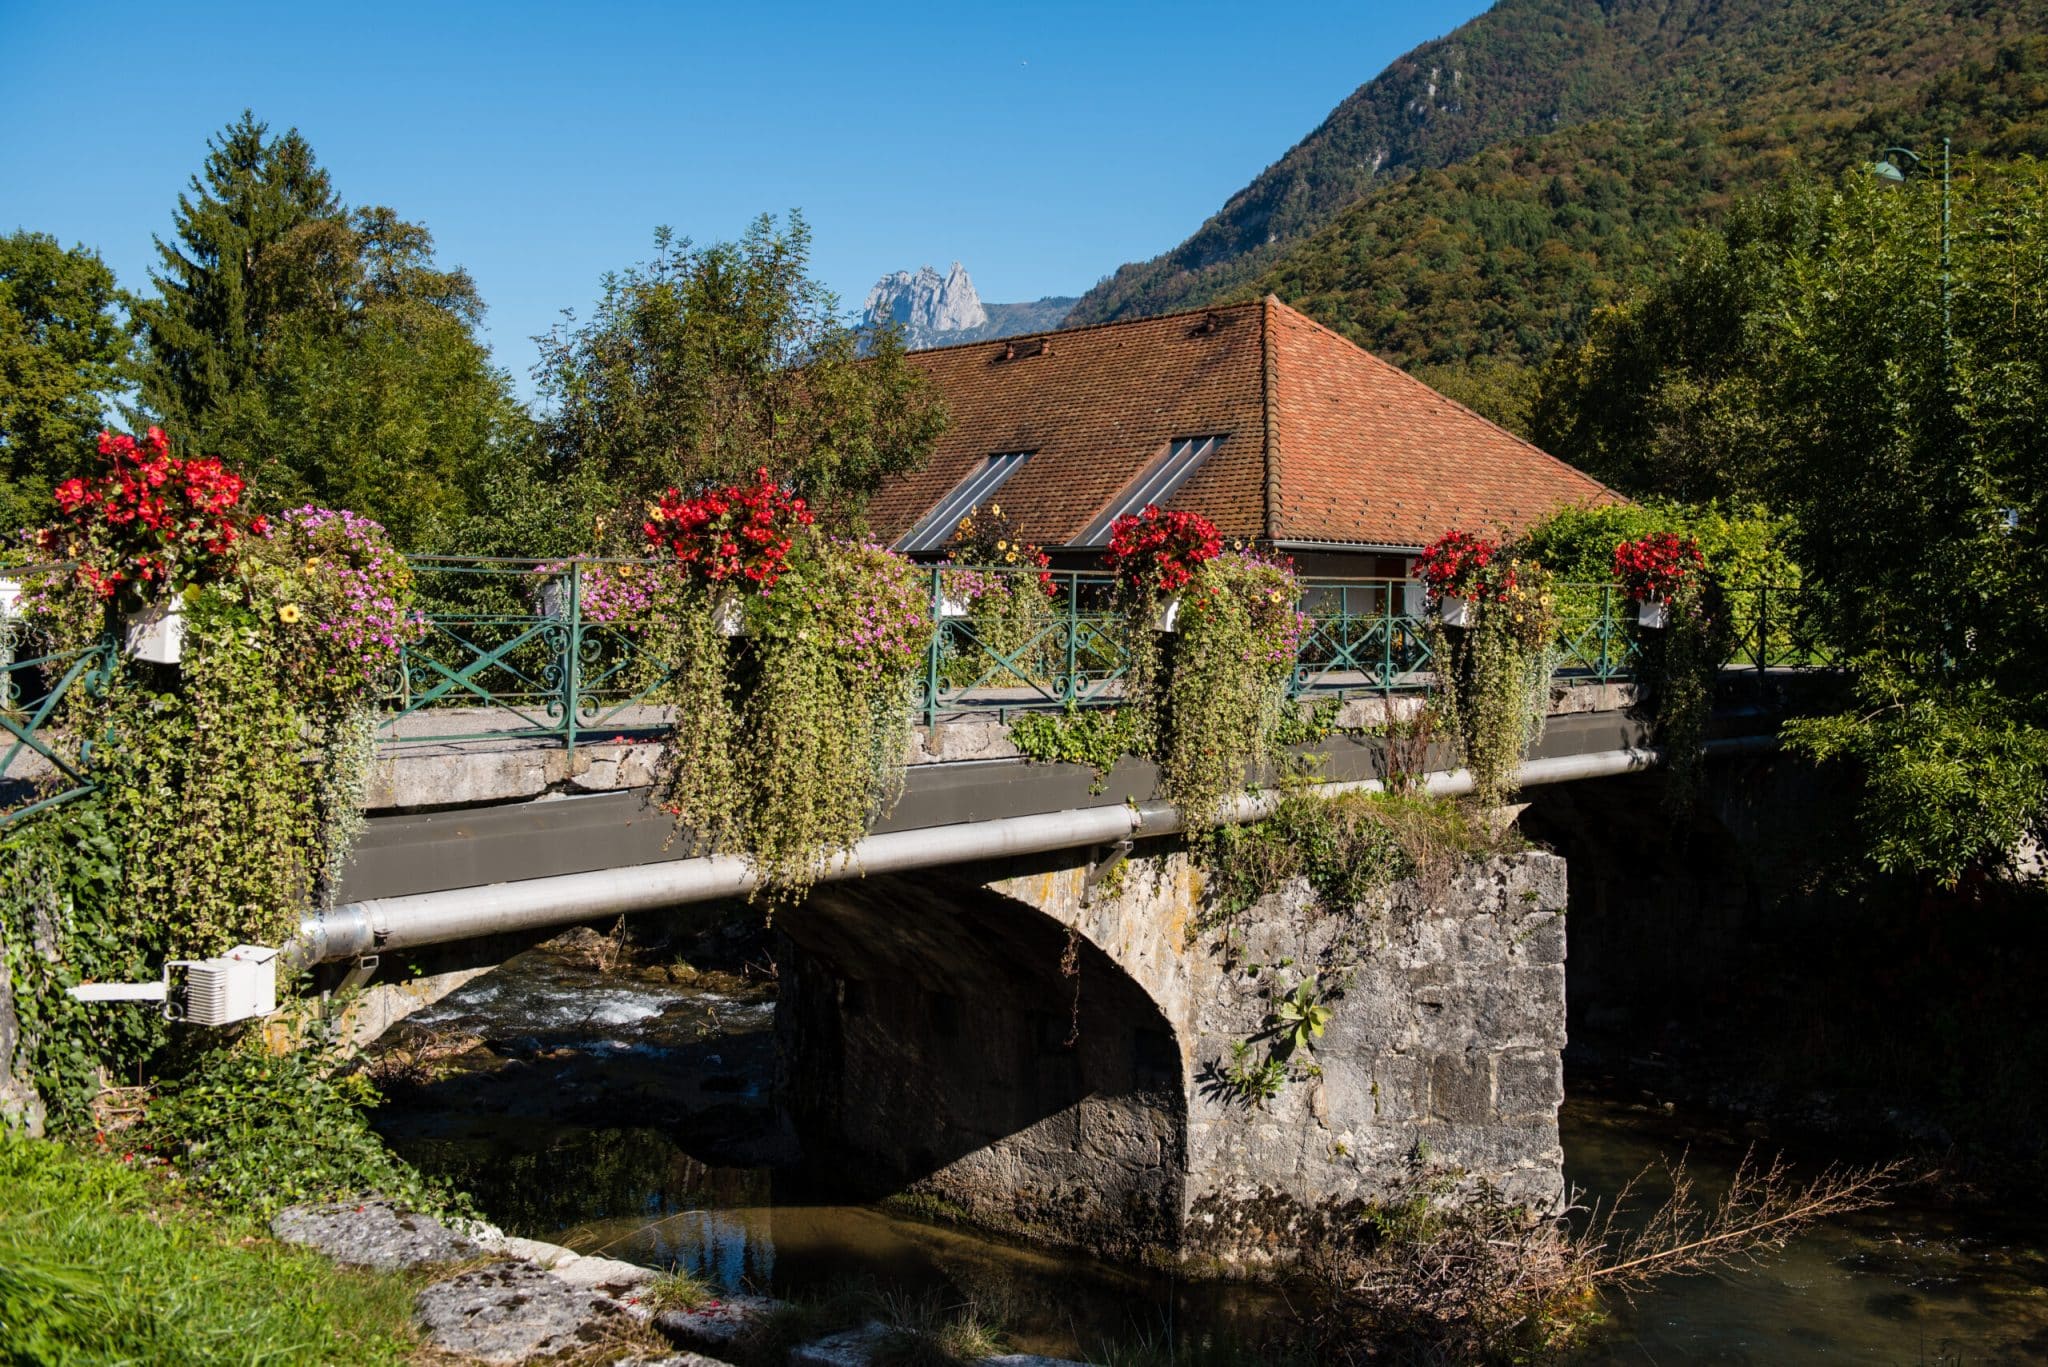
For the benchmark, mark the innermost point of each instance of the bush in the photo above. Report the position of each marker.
(257, 1131)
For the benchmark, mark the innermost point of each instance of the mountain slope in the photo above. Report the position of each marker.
(1532, 69)
(1506, 254)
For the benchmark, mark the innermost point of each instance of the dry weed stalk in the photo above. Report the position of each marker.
(410, 1063)
(1762, 1210)
(1487, 1281)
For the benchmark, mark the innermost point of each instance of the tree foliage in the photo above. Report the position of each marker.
(321, 348)
(63, 356)
(1822, 355)
(705, 364)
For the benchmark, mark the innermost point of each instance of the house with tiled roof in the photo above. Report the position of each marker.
(1279, 430)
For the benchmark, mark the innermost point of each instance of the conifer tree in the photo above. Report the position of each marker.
(219, 293)
(320, 348)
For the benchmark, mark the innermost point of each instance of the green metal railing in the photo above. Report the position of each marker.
(510, 652)
(519, 650)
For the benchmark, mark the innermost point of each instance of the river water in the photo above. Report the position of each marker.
(630, 1115)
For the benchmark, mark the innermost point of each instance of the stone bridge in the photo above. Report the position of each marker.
(1002, 1004)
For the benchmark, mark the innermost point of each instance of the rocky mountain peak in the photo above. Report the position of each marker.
(924, 304)
(935, 310)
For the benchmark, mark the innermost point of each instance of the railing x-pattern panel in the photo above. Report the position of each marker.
(528, 650)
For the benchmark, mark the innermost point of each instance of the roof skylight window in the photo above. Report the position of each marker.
(1159, 482)
(936, 528)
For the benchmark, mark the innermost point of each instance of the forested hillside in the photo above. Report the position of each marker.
(1485, 192)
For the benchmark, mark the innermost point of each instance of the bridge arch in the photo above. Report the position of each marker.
(947, 1037)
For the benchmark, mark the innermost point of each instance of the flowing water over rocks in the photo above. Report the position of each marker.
(628, 1112)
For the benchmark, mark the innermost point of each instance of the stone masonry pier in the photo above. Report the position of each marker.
(1041, 1050)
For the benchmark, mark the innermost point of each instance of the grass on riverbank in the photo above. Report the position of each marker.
(100, 1263)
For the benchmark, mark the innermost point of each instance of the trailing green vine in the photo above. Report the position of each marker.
(1494, 642)
(64, 921)
(1210, 639)
(796, 657)
(231, 780)
(230, 740)
(1681, 656)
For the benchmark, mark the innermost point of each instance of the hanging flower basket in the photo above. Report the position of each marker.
(157, 633)
(1456, 611)
(1653, 568)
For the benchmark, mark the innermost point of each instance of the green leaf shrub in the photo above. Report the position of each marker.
(63, 921)
(255, 1131)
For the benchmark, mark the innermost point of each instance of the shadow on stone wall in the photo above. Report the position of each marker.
(943, 1040)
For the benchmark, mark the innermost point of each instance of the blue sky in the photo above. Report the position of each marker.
(1042, 144)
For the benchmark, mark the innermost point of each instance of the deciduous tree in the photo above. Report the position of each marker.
(707, 363)
(63, 356)
(1828, 355)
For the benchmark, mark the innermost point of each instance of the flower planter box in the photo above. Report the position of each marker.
(553, 598)
(1168, 616)
(1653, 614)
(1456, 611)
(730, 616)
(157, 633)
(10, 614)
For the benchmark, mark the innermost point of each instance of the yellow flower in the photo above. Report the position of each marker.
(288, 614)
(1011, 557)
(995, 510)
(312, 564)
(1002, 545)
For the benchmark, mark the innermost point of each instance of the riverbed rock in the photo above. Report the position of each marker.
(675, 1360)
(853, 1348)
(716, 1325)
(375, 1234)
(857, 1348)
(512, 1311)
(607, 1276)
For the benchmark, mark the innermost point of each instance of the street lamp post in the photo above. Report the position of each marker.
(1891, 170)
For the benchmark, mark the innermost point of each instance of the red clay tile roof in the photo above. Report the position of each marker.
(1366, 455)
(1369, 453)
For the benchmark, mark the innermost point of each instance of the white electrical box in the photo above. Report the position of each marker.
(237, 986)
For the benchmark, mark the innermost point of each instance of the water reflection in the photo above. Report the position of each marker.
(1911, 1283)
(633, 1118)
